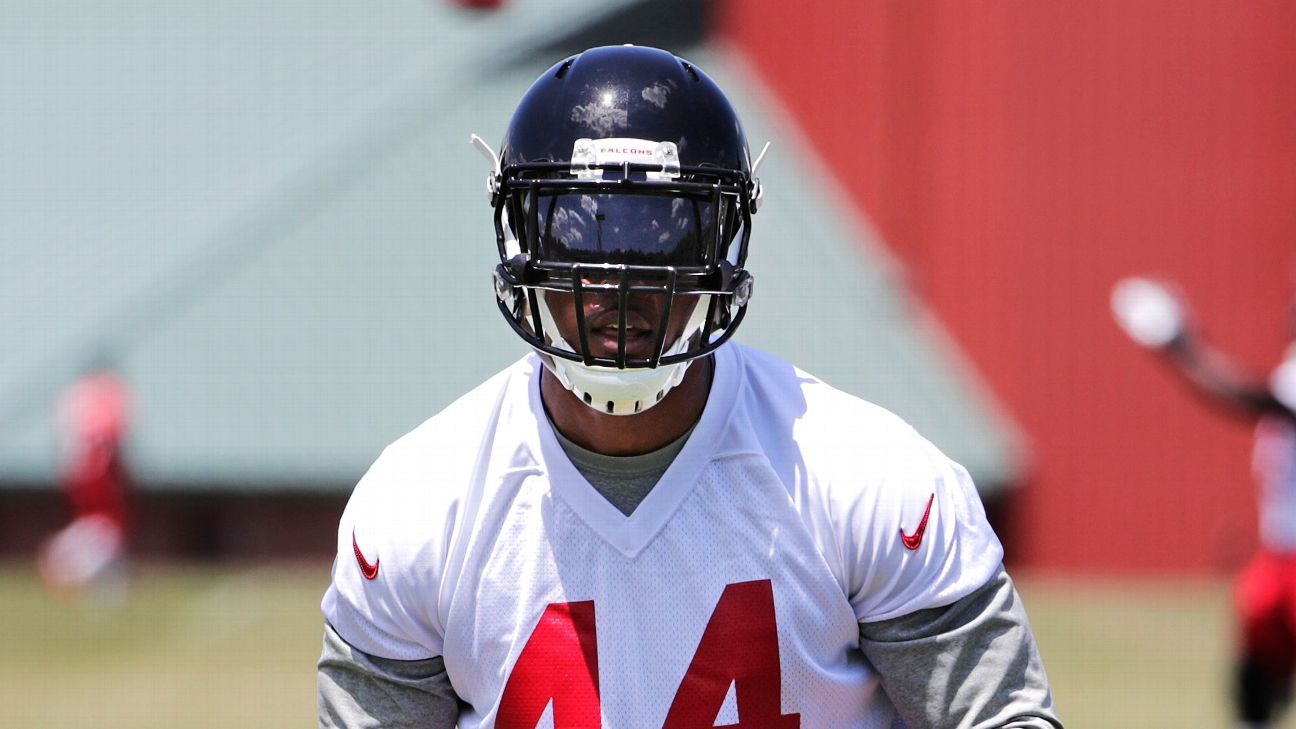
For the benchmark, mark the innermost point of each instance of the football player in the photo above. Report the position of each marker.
(640, 523)
(1157, 317)
(88, 557)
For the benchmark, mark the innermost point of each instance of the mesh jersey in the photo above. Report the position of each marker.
(740, 578)
(1274, 464)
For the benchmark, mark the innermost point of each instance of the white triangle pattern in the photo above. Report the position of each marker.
(546, 717)
(728, 715)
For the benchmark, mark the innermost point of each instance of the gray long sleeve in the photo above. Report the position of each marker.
(970, 665)
(357, 690)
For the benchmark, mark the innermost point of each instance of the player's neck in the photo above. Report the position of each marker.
(629, 435)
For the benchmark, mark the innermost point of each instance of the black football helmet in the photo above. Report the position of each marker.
(624, 176)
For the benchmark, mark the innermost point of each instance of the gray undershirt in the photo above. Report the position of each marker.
(623, 480)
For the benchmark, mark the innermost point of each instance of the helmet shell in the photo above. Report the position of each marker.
(626, 91)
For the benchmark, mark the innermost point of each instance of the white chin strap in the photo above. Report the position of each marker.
(615, 391)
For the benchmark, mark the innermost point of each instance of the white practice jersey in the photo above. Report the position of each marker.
(731, 596)
(1274, 465)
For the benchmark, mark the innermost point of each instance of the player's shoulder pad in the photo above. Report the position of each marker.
(396, 533)
(414, 489)
(813, 431)
(851, 441)
(905, 519)
(914, 527)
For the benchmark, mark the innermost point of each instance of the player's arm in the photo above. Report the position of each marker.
(940, 620)
(1158, 319)
(356, 689)
(381, 663)
(971, 664)
(1215, 374)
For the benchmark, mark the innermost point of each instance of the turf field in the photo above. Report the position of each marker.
(204, 647)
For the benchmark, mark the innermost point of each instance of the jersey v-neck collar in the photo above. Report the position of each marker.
(630, 534)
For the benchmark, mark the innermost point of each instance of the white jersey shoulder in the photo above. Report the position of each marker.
(397, 532)
(901, 524)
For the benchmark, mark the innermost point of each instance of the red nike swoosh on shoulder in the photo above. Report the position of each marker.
(370, 571)
(912, 541)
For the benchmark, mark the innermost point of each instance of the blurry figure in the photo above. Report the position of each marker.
(481, 4)
(88, 557)
(1157, 317)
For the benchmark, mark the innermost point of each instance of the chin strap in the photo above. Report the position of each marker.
(481, 146)
(607, 390)
(759, 158)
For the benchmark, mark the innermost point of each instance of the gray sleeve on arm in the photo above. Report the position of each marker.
(971, 665)
(356, 690)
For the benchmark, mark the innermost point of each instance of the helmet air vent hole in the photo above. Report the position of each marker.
(610, 406)
(562, 70)
(638, 405)
(688, 68)
(660, 394)
(587, 398)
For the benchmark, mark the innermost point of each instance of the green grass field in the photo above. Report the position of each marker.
(200, 647)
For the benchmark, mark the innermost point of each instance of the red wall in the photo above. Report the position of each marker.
(1021, 157)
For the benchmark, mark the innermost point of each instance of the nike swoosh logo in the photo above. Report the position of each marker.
(370, 571)
(912, 541)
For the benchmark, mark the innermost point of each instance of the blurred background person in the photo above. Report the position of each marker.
(88, 556)
(1157, 317)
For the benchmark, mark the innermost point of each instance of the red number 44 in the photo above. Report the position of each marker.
(739, 646)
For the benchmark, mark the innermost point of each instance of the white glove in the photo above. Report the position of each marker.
(1149, 312)
(1282, 382)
